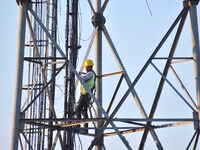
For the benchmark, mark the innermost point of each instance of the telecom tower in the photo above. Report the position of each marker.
(40, 122)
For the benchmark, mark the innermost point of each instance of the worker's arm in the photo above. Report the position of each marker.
(87, 76)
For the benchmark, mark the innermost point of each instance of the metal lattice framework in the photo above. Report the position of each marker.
(39, 121)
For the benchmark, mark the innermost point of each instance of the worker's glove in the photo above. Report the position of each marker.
(91, 101)
(80, 73)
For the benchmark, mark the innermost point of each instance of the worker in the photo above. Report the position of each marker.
(85, 99)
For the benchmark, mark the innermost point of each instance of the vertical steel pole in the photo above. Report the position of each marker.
(19, 75)
(98, 58)
(196, 52)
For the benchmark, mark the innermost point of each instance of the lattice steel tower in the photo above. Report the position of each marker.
(45, 71)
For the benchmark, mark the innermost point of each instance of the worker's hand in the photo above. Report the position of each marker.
(81, 73)
(91, 102)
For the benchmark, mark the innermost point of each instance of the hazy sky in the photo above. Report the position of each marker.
(135, 34)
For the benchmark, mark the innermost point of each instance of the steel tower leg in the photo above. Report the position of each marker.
(196, 52)
(19, 75)
(98, 57)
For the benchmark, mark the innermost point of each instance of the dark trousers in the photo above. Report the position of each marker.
(82, 106)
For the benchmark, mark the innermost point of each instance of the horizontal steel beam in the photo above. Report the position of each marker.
(114, 119)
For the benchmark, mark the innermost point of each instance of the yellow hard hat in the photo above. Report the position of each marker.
(88, 62)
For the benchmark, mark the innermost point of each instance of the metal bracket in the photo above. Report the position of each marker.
(191, 2)
(22, 116)
(98, 20)
(21, 1)
(196, 118)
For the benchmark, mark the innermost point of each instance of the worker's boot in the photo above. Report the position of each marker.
(77, 127)
(85, 129)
